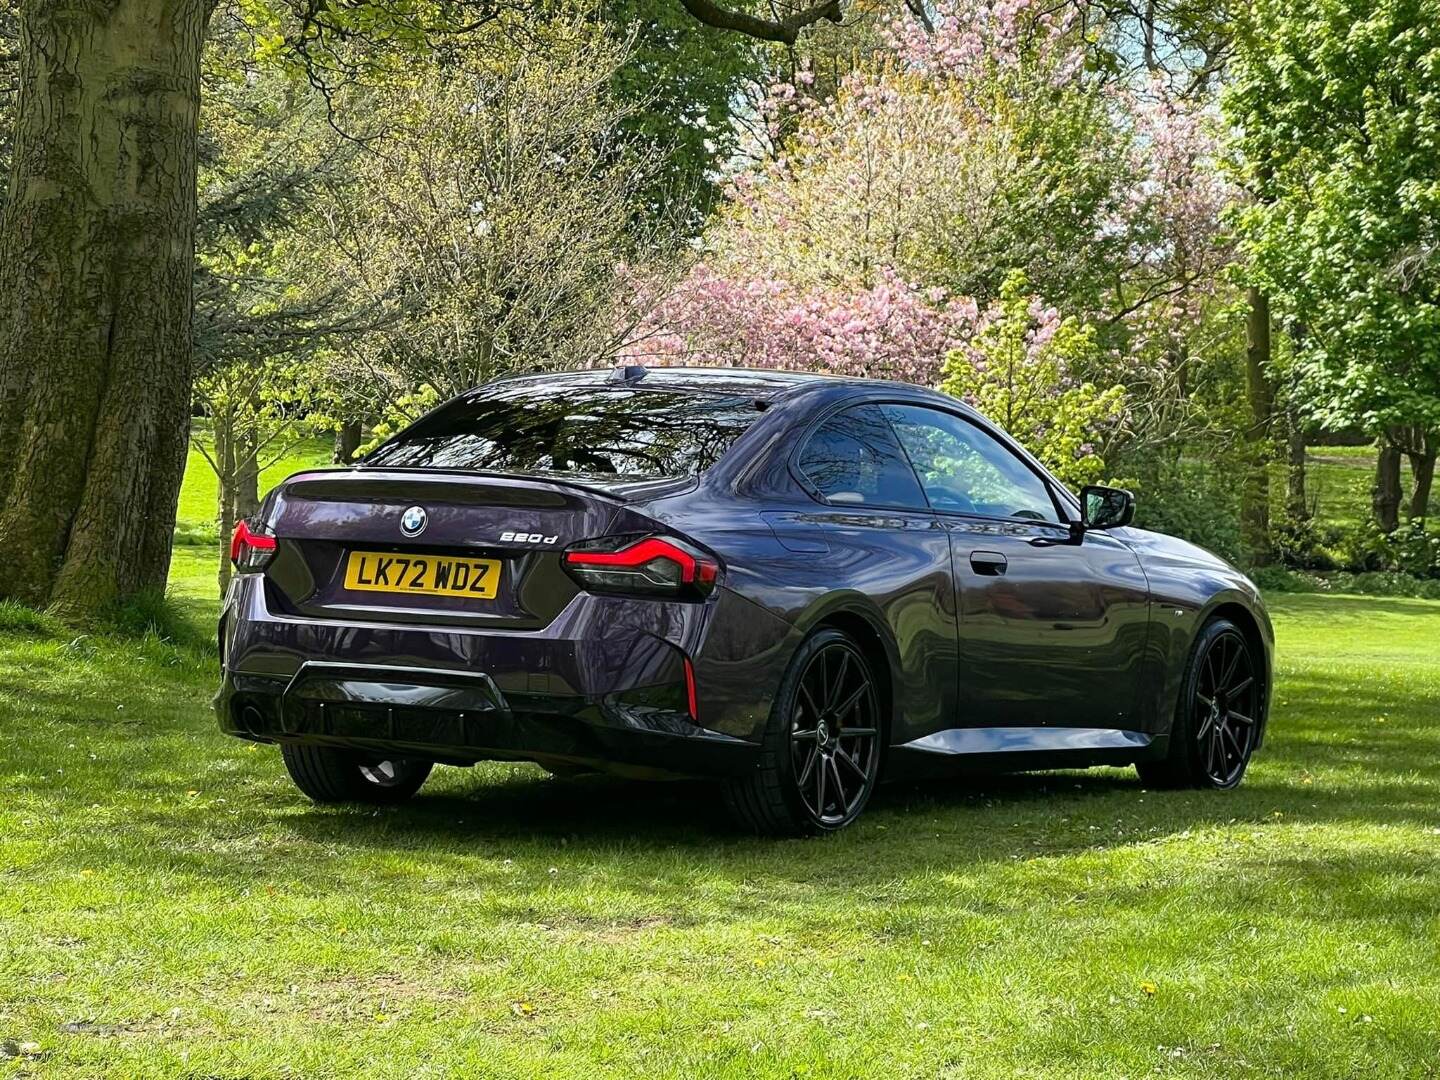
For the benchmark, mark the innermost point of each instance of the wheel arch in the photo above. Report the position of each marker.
(868, 631)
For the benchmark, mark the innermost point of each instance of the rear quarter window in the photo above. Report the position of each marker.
(853, 458)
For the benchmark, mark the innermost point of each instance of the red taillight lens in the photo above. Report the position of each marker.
(250, 549)
(647, 566)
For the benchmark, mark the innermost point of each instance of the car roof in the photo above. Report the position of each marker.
(765, 383)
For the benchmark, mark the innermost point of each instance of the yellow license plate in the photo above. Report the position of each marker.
(431, 575)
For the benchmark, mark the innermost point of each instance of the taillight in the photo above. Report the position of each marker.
(250, 547)
(644, 566)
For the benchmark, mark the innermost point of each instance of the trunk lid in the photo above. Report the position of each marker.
(486, 551)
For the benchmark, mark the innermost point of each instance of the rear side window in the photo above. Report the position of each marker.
(599, 431)
(853, 458)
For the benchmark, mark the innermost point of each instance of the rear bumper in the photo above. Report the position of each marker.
(603, 687)
(431, 717)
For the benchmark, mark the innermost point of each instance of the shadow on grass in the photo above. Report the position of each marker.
(1328, 760)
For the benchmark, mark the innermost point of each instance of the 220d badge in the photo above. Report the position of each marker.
(793, 584)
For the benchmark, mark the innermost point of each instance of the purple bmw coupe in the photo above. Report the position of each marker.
(792, 584)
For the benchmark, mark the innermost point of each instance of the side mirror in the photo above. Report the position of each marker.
(1106, 507)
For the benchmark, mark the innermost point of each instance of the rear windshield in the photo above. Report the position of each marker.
(579, 431)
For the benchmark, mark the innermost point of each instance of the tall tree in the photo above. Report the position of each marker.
(262, 314)
(97, 247)
(1337, 105)
(498, 201)
(680, 82)
(1255, 501)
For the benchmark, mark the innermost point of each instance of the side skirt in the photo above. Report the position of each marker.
(1017, 749)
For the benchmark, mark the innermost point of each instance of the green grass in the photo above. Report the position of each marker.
(171, 906)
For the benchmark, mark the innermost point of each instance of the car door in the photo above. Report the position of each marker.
(1052, 622)
(887, 551)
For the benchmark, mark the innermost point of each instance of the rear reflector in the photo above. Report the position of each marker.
(250, 548)
(645, 566)
(690, 690)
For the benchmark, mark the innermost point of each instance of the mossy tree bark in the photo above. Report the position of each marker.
(96, 256)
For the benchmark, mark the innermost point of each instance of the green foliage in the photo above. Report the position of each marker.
(1021, 371)
(680, 81)
(1193, 497)
(1411, 549)
(1067, 178)
(1305, 543)
(1337, 103)
(402, 412)
(1278, 579)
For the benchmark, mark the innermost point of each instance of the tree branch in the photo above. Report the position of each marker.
(917, 8)
(785, 30)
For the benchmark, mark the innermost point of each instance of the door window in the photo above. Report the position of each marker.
(965, 470)
(853, 459)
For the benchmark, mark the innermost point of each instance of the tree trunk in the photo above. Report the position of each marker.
(347, 442)
(1296, 504)
(96, 253)
(1422, 466)
(245, 498)
(1255, 494)
(225, 476)
(1385, 496)
(237, 455)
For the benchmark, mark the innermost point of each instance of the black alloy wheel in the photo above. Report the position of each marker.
(822, 752)
(1217, 723)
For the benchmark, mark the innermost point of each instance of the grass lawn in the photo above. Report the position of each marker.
(1338, 480)
(171, 906)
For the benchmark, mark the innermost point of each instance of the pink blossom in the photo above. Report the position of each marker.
(893, 329)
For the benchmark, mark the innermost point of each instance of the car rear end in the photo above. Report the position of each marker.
(495, 582)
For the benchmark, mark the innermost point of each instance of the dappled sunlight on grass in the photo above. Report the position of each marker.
(169, 892)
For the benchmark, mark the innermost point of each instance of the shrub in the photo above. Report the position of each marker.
(1193, 498)
(1304, 543)
(1410, 549)
(1277, 579)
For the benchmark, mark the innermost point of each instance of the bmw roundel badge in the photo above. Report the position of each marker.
(413, 521)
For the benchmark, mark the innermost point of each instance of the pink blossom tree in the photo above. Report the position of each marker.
(885, 230)
(891, 329)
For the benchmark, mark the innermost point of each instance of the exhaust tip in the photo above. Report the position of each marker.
(251, 719)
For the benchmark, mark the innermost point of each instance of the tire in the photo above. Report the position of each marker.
(1217, 717)
(826, 723)
(329, 775)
